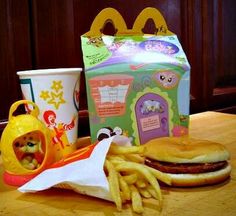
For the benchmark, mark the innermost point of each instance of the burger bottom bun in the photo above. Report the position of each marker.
(191, 180)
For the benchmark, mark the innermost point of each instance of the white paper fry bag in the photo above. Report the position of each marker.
(81, 171)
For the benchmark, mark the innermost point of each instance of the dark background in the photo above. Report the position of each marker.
(36, 34)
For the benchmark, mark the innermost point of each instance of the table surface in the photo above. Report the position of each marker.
(209, 200)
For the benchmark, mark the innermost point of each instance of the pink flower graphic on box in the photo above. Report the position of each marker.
(179, 131)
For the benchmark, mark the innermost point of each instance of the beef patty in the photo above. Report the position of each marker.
(184, 168)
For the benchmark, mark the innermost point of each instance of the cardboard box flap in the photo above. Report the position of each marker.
(107, 15)
(156, 16)
(132, 49)
(113, 16)
(131, 44)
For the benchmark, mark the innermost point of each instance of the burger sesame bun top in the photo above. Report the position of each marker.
(185, 150)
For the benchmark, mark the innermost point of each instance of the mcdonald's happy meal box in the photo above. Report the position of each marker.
(137, 84)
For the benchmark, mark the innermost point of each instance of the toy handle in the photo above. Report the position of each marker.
(156, 16)
(105, 16)
(14, 106)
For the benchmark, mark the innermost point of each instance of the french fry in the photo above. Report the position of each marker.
(114, 184)
(136, 200)
(135, 158)
(151, 190)
(160, 175)
(124, 188)
(131, 178)
(123, 198)
(115, 149)
(144, 192)
(141, 183)
(129, 166)
(114, 158)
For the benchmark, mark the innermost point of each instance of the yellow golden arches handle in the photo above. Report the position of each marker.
(107, 15)
(34, 111)
(156, 16)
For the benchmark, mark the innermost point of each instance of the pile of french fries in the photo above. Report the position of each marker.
(130, 180)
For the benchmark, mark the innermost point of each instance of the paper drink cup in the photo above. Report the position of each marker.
(56, 92)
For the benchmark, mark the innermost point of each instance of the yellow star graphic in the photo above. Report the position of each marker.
(44, 95)
(56, 99)
(57, 85)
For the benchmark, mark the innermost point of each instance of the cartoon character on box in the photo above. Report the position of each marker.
(25, 146)
(107, 132)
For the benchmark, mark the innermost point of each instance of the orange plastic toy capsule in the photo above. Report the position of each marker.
(25, 145)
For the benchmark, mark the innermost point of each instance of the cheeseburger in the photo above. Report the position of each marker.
(189, 162)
